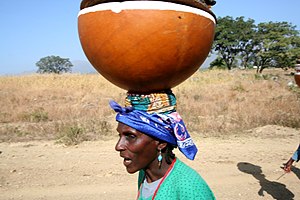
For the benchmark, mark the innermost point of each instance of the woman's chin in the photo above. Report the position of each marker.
(130, 170)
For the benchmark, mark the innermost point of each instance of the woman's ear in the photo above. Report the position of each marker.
(162, 145)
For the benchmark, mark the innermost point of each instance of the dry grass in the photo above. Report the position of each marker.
(69, 106)
(230, 102)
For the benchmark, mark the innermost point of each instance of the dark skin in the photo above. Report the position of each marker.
(140, 151)
(288, 165)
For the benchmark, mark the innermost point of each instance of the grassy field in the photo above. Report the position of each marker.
(71, 108)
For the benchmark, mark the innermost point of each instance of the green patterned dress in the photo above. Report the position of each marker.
(182, 183)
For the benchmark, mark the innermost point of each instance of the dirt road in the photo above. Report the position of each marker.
(245, 166)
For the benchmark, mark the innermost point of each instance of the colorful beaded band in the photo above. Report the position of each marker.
(164, 102)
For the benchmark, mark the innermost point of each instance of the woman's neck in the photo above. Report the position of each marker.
(154, 172)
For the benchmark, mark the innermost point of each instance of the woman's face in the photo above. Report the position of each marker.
(137, 149)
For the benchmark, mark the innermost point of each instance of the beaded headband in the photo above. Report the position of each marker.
(161, 102)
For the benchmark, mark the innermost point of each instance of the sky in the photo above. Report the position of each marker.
(33, 29)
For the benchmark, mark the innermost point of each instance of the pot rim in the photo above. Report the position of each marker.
(195, 4)
(117, 7)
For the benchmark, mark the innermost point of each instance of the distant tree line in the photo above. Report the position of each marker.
(242, 43)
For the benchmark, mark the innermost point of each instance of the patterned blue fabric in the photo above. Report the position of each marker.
(166, 127)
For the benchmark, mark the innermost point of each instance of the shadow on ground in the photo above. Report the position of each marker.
(296, 171)
(275, 189)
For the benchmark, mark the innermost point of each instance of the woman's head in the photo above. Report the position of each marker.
(138, 150)
(155, 115)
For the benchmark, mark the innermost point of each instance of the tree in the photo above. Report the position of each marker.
(295, 42)
(217, 63)
(240, 42)
(277, 45)
(226, 42)
(54, 64)
(245, 35)
(233, 40)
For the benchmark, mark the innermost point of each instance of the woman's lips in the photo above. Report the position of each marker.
(127, 162)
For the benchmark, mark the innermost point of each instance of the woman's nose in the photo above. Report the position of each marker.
(120, 146)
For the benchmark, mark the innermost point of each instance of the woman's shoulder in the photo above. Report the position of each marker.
(186, 183)
(184, 170)
(187, 175)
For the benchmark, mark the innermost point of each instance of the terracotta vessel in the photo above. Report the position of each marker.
(297, 78)
(145, 46)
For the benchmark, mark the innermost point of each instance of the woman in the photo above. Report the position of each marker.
(149, 128)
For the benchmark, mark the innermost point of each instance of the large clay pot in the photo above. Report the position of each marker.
(144, 46)
(297, 78)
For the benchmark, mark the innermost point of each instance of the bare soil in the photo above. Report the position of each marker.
(244, 166)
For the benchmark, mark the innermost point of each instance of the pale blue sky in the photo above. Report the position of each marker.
(34, 29)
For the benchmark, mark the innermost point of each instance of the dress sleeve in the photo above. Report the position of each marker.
(296, 154)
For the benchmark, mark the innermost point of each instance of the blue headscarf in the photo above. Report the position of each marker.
(166, 127)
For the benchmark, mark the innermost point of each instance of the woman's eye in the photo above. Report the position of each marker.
(130, 136)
